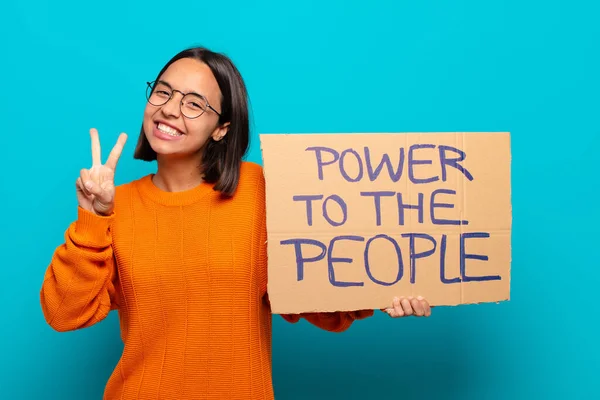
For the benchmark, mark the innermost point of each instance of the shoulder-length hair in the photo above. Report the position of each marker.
(221, 161)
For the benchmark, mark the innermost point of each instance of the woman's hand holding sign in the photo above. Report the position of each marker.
(407, 306)
(96, 186)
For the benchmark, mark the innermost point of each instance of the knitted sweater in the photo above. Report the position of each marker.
(187, 272)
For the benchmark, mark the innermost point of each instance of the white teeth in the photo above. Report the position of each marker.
(168, 130)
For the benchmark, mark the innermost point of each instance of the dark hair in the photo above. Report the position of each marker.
(221, 160)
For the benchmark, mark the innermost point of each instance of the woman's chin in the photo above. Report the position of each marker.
(169, 152)
(172, 148)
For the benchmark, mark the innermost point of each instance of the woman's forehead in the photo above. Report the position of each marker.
(190, 75)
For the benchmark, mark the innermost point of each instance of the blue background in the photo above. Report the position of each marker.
(531, 68)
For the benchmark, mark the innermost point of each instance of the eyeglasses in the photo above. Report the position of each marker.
(192, 105)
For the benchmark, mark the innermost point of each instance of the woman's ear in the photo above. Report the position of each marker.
(220, 132)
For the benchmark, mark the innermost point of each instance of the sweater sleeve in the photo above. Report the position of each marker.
(80, 284)
(330, 321)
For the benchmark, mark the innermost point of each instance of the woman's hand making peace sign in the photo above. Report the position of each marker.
(96, 186)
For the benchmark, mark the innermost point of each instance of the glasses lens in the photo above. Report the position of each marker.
(193, 106)
(158, 94)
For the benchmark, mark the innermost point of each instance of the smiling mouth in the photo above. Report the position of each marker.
(168, 130)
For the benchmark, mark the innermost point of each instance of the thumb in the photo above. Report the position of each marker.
(91, 187)
(101, 195)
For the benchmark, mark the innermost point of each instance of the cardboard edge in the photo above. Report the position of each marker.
(265, 140)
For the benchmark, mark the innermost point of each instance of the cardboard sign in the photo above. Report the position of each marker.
(356, 219)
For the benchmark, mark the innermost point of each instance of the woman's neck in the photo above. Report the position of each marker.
(177, 174)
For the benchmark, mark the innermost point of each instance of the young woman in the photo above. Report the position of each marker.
(181, 254)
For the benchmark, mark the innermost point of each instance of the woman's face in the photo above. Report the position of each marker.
(167, 129)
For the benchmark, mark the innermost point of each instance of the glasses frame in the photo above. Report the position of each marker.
(150, 90)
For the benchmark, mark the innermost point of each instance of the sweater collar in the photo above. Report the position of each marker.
(149, 190)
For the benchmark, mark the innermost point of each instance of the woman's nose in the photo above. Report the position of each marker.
(173, 106)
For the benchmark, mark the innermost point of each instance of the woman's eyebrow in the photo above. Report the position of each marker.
(171, 87)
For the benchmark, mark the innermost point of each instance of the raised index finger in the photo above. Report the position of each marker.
(96, 153)
(115, 153)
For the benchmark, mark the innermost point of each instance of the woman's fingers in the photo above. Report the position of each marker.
(96, 152)
(86, 181)
(115, 153)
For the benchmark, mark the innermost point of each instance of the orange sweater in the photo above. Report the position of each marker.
(187, 272)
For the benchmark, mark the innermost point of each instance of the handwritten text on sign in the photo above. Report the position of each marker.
(386, 215)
